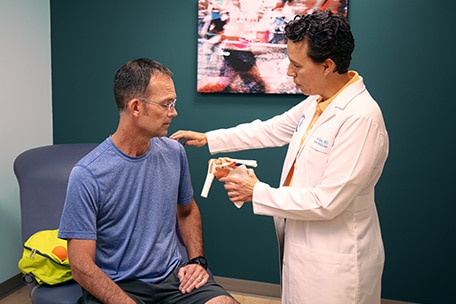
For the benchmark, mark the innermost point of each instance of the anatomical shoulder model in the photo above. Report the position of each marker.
(224, 166)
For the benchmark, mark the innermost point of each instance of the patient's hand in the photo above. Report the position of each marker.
(191, 277)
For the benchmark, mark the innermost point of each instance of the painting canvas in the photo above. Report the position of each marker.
(241, 44)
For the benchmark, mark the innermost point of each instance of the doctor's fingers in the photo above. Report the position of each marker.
(230, 185)
(233, 183)
(190, 138)
(238, 192)
(237, 197)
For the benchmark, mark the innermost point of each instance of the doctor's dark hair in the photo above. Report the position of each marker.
(328, 36)
(132, 80)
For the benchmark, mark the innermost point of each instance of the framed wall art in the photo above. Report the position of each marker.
(241, 44)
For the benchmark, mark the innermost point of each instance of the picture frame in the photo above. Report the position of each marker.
(242, 47)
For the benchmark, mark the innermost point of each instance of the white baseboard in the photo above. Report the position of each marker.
(249, 287)
(265, 289)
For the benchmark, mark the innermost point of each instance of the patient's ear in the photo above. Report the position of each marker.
(135, 106)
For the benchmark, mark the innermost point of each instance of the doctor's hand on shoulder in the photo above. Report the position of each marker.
(190, 138)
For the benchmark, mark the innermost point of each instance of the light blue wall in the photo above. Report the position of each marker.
(25, 115)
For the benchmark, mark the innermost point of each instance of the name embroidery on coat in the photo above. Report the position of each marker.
(321, 142)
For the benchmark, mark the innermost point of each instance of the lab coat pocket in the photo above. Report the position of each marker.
(323, 277)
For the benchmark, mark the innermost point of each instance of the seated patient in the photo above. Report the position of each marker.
(126, 198)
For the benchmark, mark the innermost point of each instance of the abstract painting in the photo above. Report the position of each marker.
(241, 44)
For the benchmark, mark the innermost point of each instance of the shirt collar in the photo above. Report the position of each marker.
(324, 104)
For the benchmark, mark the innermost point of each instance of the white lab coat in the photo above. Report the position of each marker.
(330, 245)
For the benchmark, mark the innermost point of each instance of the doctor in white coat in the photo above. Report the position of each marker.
(324, 210)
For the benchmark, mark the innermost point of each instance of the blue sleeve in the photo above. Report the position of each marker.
(79, 213)
(185, 188)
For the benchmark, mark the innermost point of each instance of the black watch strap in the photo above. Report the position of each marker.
(199, 260)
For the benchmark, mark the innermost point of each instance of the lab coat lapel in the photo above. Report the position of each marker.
(301, 128)
(339, 103)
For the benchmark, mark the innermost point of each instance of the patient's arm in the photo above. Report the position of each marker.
(81, 254)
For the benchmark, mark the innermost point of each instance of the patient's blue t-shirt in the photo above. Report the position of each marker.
(128, 205)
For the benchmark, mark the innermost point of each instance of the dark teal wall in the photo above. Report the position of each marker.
(401, 51)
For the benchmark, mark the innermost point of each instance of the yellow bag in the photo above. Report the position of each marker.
(45, 257)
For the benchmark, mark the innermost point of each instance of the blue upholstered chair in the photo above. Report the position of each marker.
(42, 174)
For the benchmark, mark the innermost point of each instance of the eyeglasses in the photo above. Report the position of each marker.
(169, 106)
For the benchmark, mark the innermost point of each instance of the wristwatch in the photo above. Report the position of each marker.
(199, 260)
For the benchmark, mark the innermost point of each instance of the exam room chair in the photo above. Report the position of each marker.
(42, 174)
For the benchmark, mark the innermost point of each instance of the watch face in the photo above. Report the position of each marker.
(200, 261)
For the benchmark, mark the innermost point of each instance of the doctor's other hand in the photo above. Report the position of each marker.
(240, 188)
(190, 138)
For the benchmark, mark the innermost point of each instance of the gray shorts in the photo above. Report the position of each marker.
(165, 292)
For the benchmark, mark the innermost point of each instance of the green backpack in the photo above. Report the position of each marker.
(45, 258)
